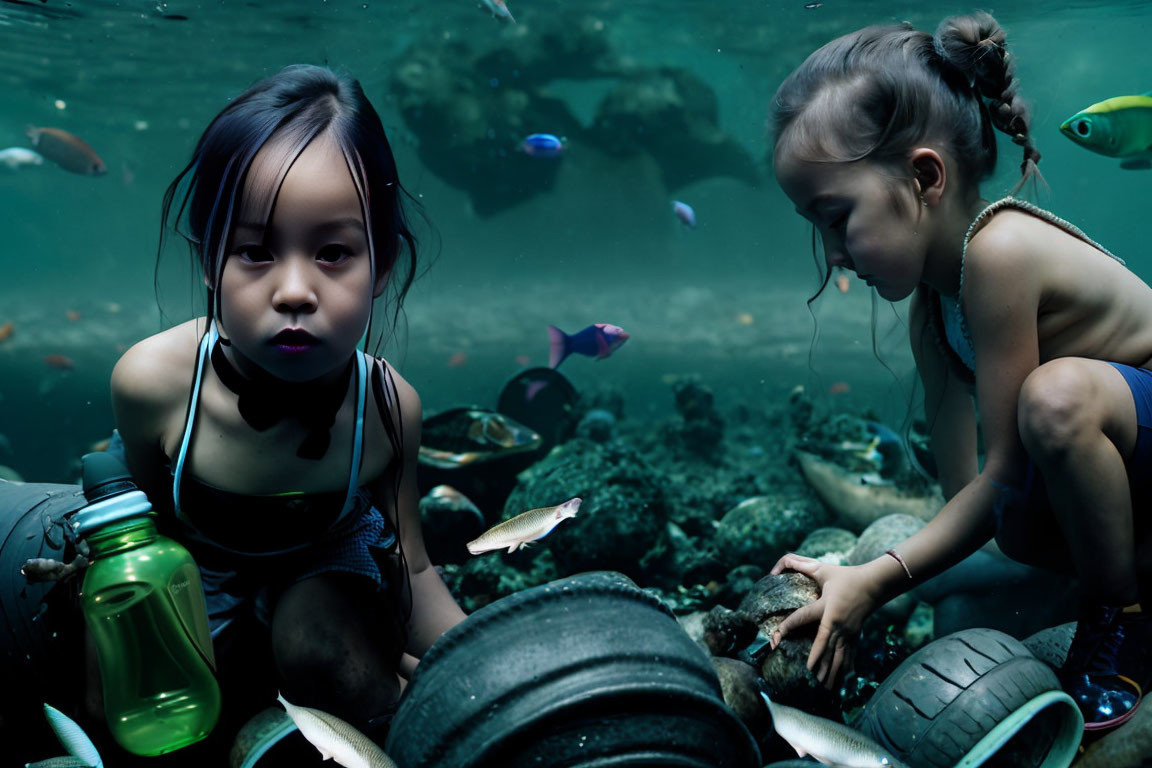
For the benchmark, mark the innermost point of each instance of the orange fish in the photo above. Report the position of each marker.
(72, 315)
(842, 282)
(6, 331)
(523, 360)
(59, 361)
(67, 151)
(457, 360)
(838, 388)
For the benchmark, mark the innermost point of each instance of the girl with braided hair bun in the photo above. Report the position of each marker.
(882, 138)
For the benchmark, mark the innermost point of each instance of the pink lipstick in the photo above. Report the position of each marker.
(294, 340)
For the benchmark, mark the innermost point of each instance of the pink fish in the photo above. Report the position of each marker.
(66, 150)
(598, 341)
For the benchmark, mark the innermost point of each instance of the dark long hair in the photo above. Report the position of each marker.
(284, 113)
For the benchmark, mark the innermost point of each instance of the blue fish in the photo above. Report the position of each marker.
(598, 341)
(685, 213)
(542, 145)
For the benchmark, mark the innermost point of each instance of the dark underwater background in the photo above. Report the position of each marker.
(512, 247)
(659, 101)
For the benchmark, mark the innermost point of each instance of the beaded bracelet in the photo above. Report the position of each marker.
(900, 560)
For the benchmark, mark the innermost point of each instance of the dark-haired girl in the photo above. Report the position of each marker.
(882, 138)
(281, 454)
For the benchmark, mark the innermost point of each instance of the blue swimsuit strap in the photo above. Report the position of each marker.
(206, 343)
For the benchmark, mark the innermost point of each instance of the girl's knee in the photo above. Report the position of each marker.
(1054, 408)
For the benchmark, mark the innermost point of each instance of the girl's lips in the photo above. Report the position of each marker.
(294, 337)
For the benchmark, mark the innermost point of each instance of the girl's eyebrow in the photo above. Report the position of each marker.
(327, 226)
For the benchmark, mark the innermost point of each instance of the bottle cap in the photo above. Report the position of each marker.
(111, 494)
(104, 475)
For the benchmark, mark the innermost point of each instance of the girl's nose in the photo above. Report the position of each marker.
(294, 291)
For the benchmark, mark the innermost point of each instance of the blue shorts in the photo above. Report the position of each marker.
(236, 584)
(1025, 527)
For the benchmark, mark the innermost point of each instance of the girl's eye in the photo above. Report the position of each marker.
(253, 253)
(334, 253)
(840, 222)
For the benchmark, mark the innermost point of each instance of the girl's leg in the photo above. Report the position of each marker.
(336, 648)
(1077, 420)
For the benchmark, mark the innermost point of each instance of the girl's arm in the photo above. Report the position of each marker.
(1002, 300)
(433, 609)
(142, 386)
(948, 407)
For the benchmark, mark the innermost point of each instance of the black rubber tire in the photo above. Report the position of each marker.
(945, 697)
(584, 671)
(41, 628)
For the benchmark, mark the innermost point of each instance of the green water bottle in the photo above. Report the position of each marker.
(144, 606)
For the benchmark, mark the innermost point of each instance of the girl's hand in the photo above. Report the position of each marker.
(845, 601)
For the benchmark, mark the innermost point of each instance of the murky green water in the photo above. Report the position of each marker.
(138, 80)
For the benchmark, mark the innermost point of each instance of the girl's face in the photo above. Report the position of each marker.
(295, 298)
(861, 226)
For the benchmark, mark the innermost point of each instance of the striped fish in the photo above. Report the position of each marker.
(522, 530)
(73, 738)
(336, 739)
(828, 741)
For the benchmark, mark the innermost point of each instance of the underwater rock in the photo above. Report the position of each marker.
(828, 544)
(598, 425)
(469, 107)
(449, 520)
(881, 536)
(739, 582)
(785, 669)
(727, 631)
(921, 626)
(762, 529)
(800, 408)
(623, 518)
(702, 430)
(859, 499)
(484, 580)
(672, 115)
(739, 683)
(774, 597)
(693, 624)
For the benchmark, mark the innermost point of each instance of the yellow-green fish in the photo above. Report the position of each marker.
(828, 741)
(525, 528)
(336, 739)
(1118, 127)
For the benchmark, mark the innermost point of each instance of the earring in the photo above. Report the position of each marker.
(923, 202)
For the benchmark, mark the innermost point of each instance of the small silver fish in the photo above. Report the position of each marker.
(828, 741)
(336, 739)
(59, 762)
(525, 528)
(499, 9)
(73, 738)
(15, 157)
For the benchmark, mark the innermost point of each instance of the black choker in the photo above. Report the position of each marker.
(264, 400)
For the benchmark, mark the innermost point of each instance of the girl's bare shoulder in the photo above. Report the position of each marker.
(158, 369)
(409, 399)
